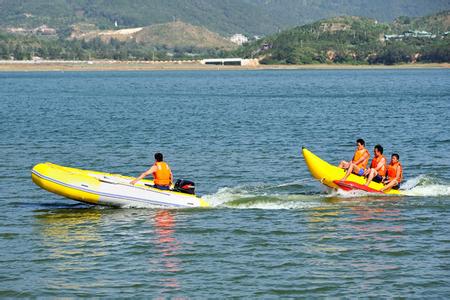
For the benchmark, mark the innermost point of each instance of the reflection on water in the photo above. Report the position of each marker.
(322, 214)
(371, 222)
(73, 239)
(69, 232)
(374, 226)
(336, 227)
(167, 247)
(72, 243)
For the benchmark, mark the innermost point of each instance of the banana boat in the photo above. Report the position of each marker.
(107, 189)
(330, 176)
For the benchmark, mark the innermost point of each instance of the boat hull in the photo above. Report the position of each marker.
(106, 189)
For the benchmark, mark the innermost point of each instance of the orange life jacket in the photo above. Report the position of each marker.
(358, 155)
(374, 164)
(162, 174)
(392, 171)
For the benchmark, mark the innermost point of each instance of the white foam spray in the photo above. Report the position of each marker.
(262, 196)
(265, 196)
(425, 186)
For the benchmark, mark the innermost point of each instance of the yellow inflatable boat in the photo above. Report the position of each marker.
(330, 175)
(110, 189)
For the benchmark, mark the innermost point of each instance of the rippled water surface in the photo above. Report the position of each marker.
(273, 231)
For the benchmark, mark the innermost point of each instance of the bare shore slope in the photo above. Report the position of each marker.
(111, 65)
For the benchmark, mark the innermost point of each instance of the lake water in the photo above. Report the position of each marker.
(273, 230)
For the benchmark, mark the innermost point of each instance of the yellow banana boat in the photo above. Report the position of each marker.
(107, 189)
(330, 175)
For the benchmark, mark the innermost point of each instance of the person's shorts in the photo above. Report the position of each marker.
(162, 187)
(396, 187)
(361, 172)
(378, 178)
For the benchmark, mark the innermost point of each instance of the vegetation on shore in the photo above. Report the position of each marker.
(250, 17)
(151, 43)
(355, 40)
(348, 40)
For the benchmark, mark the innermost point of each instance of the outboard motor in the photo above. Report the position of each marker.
(184, 186)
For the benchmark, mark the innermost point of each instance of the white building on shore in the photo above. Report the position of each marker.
(239, 39)
(230, 62)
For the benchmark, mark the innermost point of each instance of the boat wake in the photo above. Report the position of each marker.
(301, 194)
(306, 194)
(354, 194)
(292, 195)
(420, 186)
(426, 186)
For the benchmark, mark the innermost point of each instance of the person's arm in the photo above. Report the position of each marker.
(363, 158)
(171, 177)
(380, 164)
(390, 183)
(399, 173)
(146, 173)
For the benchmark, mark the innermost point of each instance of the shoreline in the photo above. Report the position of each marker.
(110, 65)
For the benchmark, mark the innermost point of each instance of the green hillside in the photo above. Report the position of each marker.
(166, 35)
(294, 12)
(259, 17)
(356, 40)
(174, 40)
(439, 22)
(154, 47)
(178, 34)
(227, 16)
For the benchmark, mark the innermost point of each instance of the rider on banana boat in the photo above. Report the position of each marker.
(394, 174)
(359, 162)
(377, 170)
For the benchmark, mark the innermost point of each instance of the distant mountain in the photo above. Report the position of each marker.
(260, 17)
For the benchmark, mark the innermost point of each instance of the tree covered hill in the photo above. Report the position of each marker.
(437, 23)
(173, 40)
(225, 16)
(259, 17)
(298, 12)
(178, 34)
(165, 36)
(357, 40)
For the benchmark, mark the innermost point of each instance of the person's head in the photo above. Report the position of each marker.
(360, 143)
(395, 158)
(378, 150)
(158, 156)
